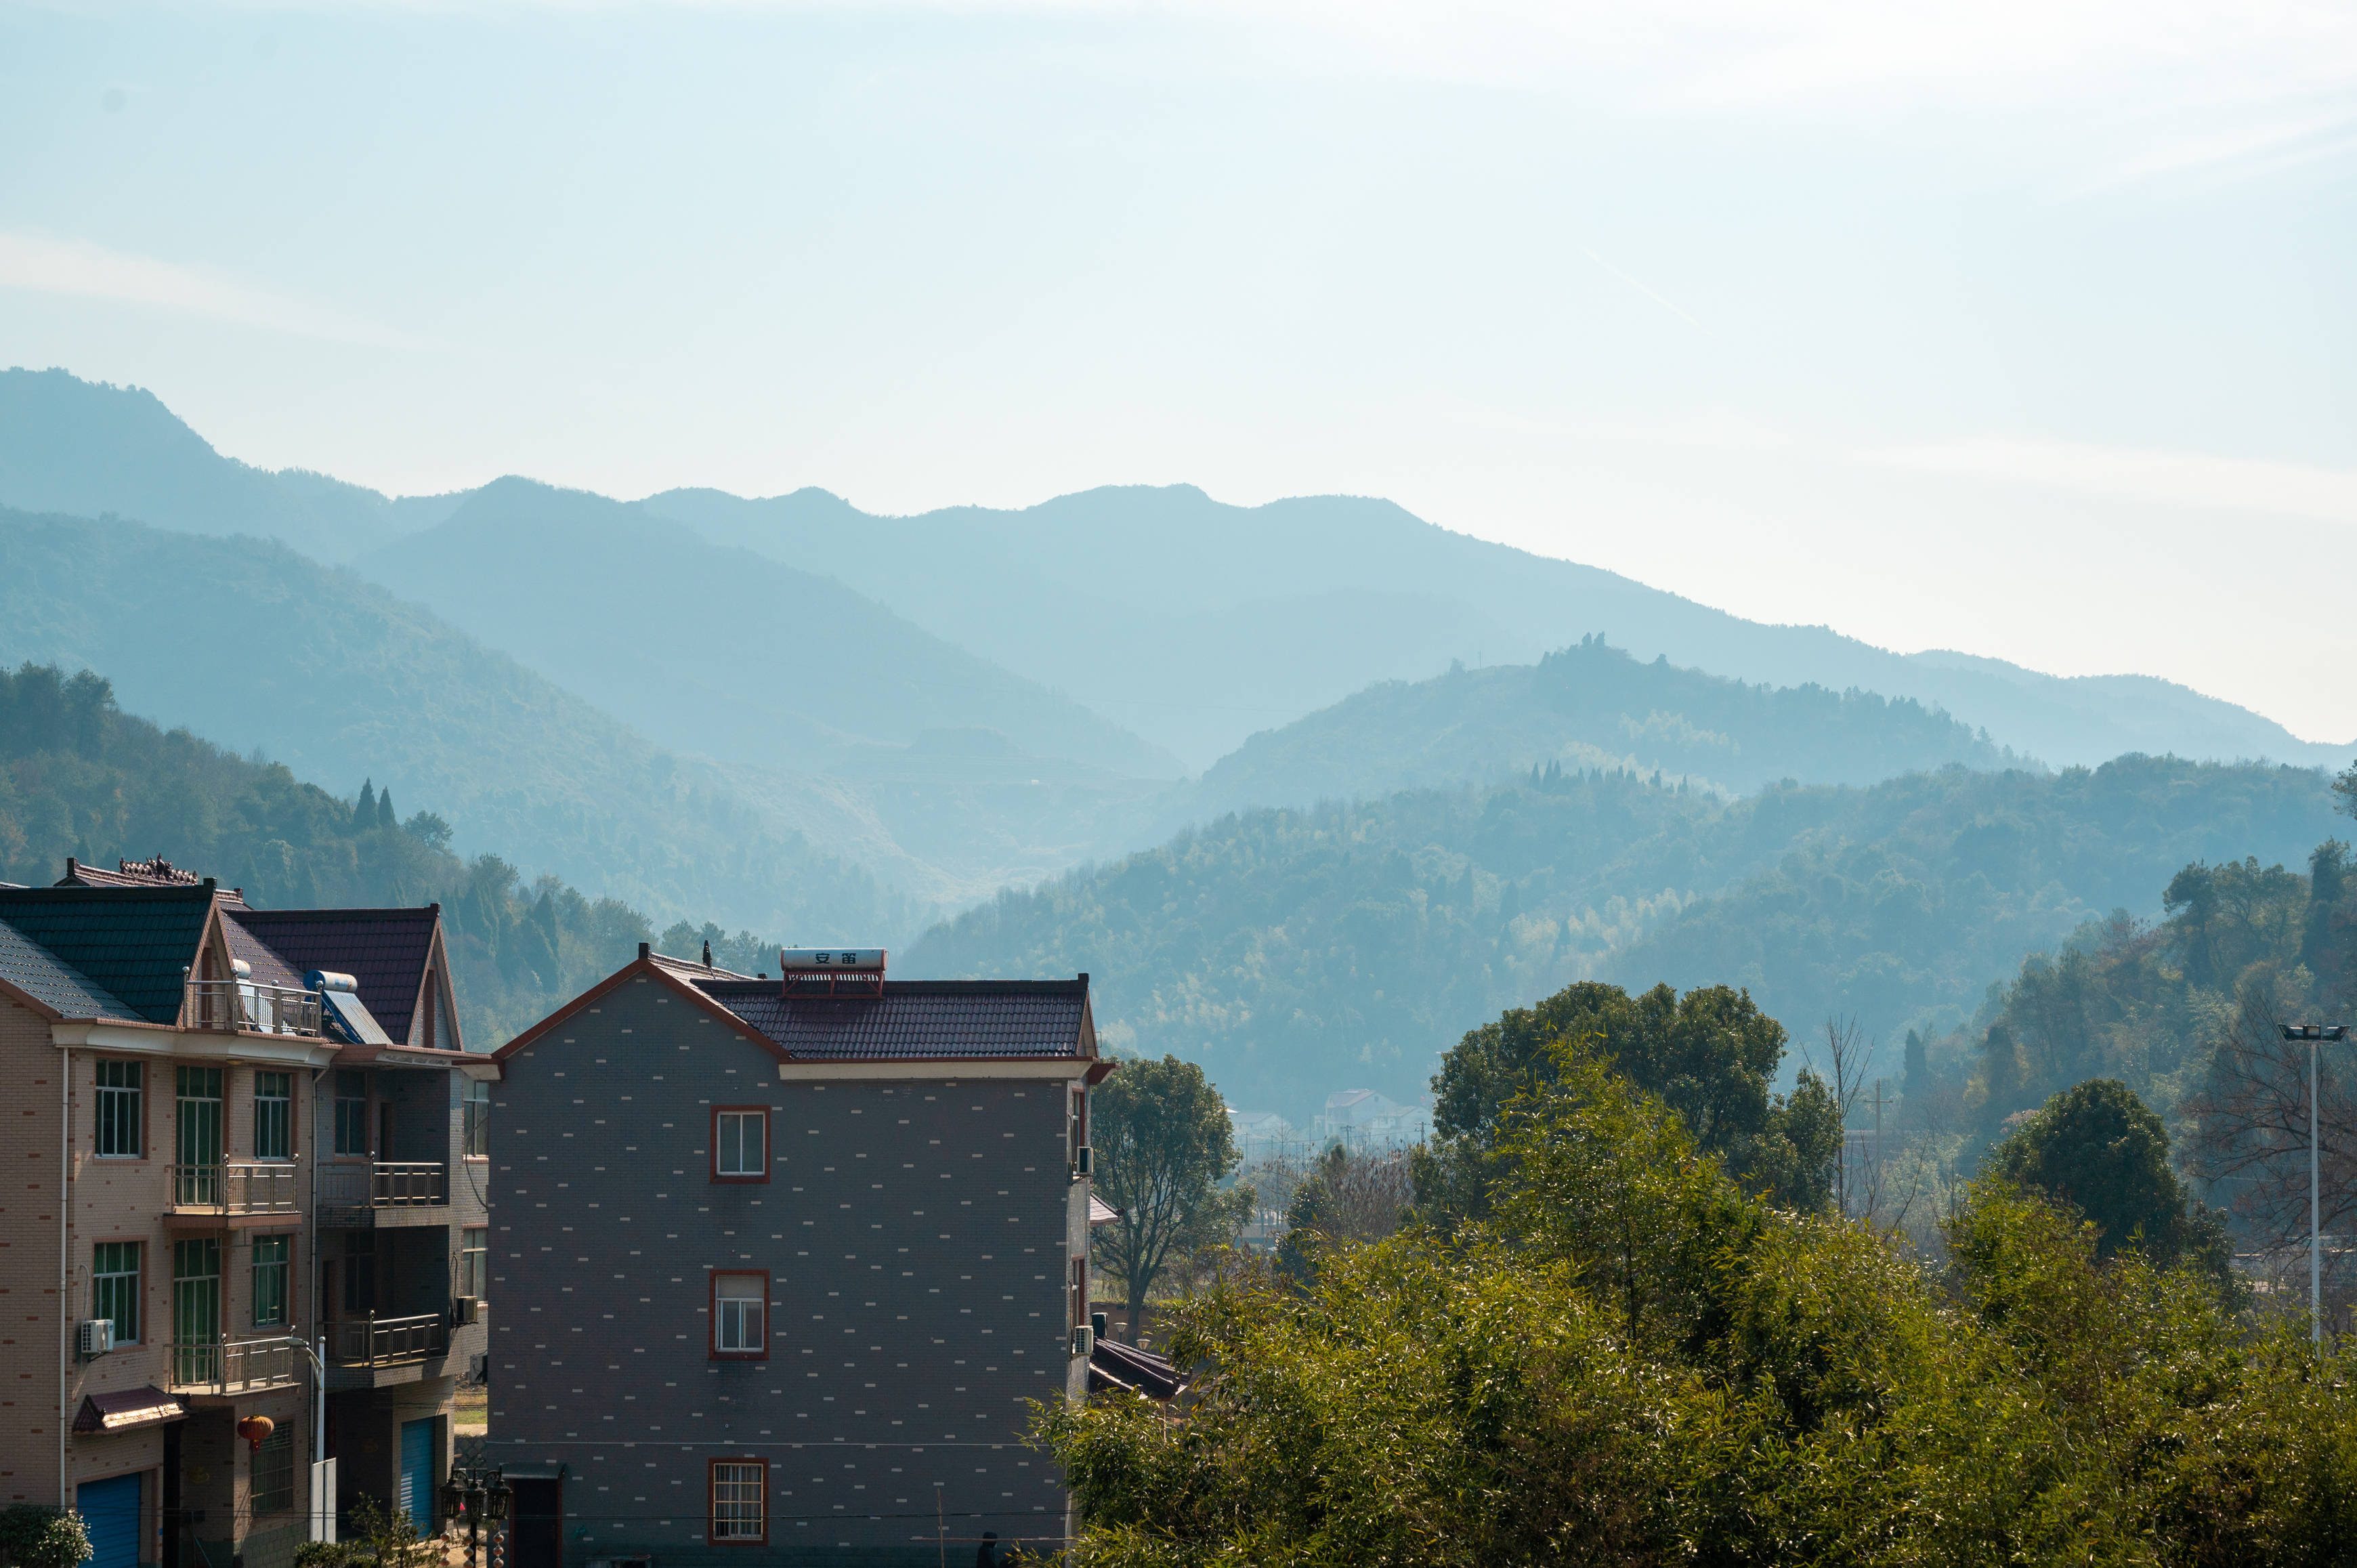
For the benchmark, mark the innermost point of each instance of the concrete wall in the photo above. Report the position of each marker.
(916, 1236)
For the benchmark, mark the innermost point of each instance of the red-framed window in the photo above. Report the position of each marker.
(740, 1142)
(740, 1315)
(740, 1493)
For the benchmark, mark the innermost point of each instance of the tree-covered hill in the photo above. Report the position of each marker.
(1586, 707)
(78, 777)
(1297, 952)
(247, 642)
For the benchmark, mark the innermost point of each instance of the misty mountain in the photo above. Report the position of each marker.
(1586, 707)
(1297, 952)
(718, 650)
(938, 770)
(92, 449)
(1198, 623)
(251, 644)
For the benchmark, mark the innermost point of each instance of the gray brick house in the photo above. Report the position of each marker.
(780, 1264)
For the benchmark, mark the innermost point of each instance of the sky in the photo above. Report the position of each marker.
(2023, 328)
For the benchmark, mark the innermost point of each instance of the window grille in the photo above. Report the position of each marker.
(740, 1500)
(273, 1115)
(114, 1287)
(271, 1255)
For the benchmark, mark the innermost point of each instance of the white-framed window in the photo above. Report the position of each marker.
(740, 1500)
(114, 1287)
(121, 1115)
(272, 1267)
(474, 1260)
(740, 1144)
(475, 1101)
(739, 1312)
(273, 1115)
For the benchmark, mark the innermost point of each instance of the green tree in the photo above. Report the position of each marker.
(1709, 1055)
(2102, 1152)
(1162, 1145)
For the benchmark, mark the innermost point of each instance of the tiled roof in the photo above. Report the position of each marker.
(383, 950)
(1112, 1364)
(691, 969)
(133, 943)
(49, 979)
(915, 1019)
(269, 968)
(156, 873)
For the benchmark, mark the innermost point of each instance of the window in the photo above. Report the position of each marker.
(273, 1115)
(114, 1287)
(474, 1260)
(270, 1275)
(197, 1136)
(740, 1306)
(475, 1099)
(195, 1310)
(121, 1115)
(740, 1143)
(360, 1272)
(740, 1501)
(273, 1472)
(352, 1113)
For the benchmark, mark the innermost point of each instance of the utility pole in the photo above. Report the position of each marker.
(2315, 1035)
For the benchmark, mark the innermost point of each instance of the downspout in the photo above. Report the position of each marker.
(318, 1312)
(65, 1261)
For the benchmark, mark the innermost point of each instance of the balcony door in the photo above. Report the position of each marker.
(196, 1309)
(197, 1136)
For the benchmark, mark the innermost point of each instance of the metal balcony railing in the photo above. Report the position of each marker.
(262, 1187)
(226, 1366)
(384, 1184)
(374, 1341)
(247, 1004)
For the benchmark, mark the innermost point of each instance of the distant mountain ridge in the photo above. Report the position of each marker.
(1299, 603)
(1586, 707)
(1190, 623)
(244, 640)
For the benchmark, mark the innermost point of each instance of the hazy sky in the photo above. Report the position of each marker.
(2020, 327)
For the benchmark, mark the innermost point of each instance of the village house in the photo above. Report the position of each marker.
(244, 1139)
(782, 1262)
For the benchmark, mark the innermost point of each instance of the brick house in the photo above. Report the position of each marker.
(258, 1150)
(782, 1264)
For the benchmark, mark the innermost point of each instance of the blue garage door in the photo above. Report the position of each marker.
(110, 1510)
(417, 1473)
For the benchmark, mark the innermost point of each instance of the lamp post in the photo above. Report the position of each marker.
(2315, 1035)
(483, 1497)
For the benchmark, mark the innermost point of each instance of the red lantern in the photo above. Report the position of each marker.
(253, 1429)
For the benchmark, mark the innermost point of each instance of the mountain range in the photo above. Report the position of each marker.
(1308, 786)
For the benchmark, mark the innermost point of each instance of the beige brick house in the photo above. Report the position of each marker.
(233, 1142)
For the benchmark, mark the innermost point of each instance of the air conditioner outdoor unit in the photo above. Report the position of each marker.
(469, 1309)
(1085, 1340)
(96, 1335)
(1084, 1161)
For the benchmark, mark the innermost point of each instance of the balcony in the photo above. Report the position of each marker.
(228, 1368)
(373, 1341)
(244, 1005)
(384, 1185)
(263, 1188)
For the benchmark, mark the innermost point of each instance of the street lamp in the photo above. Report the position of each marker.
(482, 1496)
(2315, 1035)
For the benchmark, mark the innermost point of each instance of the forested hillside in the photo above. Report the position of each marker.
(1297, 952)
(1586, 707)
(251, 644)
(78, 777)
